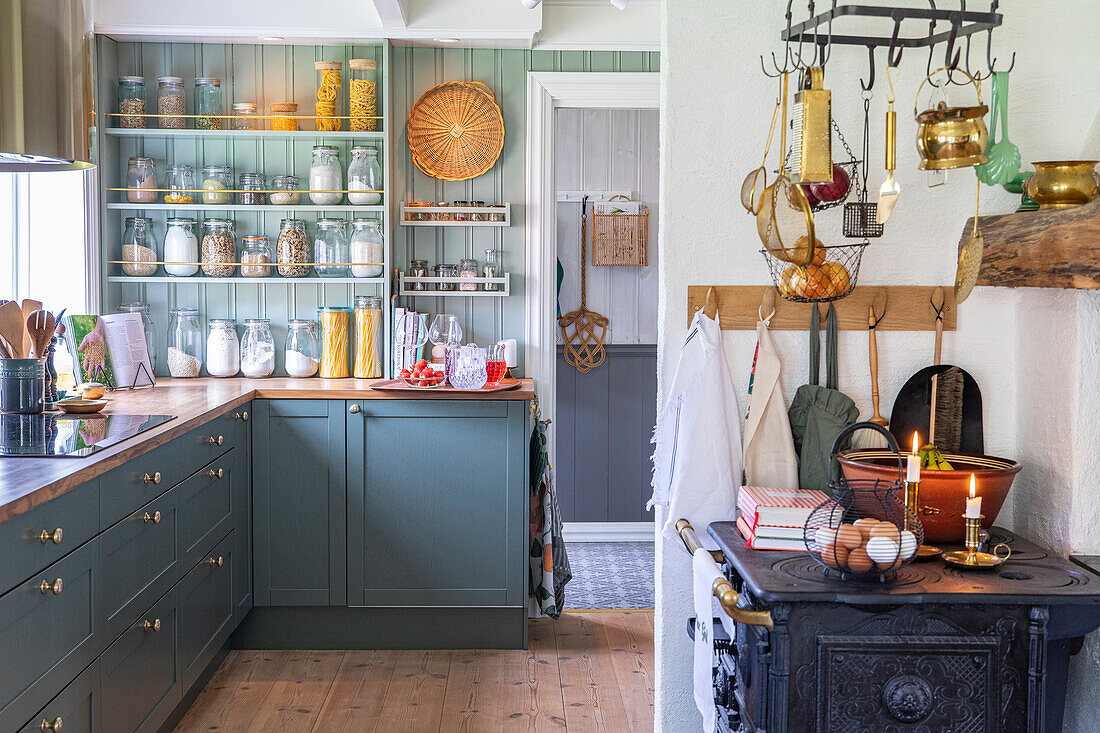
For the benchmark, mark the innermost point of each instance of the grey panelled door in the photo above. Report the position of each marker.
(604, 423)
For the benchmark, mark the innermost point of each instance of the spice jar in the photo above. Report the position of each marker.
(293, 248)
(467, 268)
(362, 95)
(325, 177)
(367, 249)
(284, 191)
(461, 215)
(255, 256)
(219, 250)
(424, 215)
(330, 249)
(497, 213)
(216, 182)
(446, 271)
(131, 101)
(418, 268)
(444, 215)
(141, 181)
(208, 103)
(147, 325)
(284, 124)
(300, 355)
(223, 348)
(139, 252)
(184, 343)
(181, 248)
(180, 181)
(479, 215)
(170, 103)
(244, 116)
(252, 189)
(490, 269)
(368, 321)
(334, 341)
(364, 176)
(257, 348)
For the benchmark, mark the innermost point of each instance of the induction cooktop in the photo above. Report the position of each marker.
(69, 436)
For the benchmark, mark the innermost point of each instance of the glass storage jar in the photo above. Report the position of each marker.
(139, 249)
(217, 180)
(362, 95)
(364, 176)
(223, 348)
(208, 103)
(334, 341)
(418, 268)
(490, 269)
(461, 215)
(330, 249)
(255, 256)
(368, 324)
(367, 249)
(444, 215)
(244, 116)
(184, 343)
(257, 348)
(131, 101)
(141, 181)
(301, 357)
(284, 191)
(147, 325)
(180, 181)
(293, 248)
(467, 268)
(252, 189)
(181, 248)
(445, 271)
(219, 249)
(170, 103)
(419, 211)
(284, 123)
(479, 215)
(325, 177)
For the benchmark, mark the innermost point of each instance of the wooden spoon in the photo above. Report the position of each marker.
(40, 325)
(12, 329)
(29, 306)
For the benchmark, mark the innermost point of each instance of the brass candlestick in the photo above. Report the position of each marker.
(912, 519)
(973, 535)
(971, 557)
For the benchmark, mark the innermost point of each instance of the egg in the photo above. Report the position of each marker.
(849, 536)
(908, 544)
(824, 536)
(883, 550)
(859, 561)
(887, 530)
(865, 526)
(835, 556)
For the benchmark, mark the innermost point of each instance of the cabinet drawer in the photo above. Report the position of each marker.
(47, 638)
(139, 561)
(74, 710)
(205, 503)
(34, 539)
(140, 682)
(206, 609)
(215, 438)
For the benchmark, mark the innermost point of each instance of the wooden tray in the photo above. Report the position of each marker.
(396, 385)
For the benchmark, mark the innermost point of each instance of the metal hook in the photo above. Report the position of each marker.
(893, 57)
(871, 84)
(991, 64)
(787, 56)
(889, 80)
(827, 47)
(931, 47)
(950, 62)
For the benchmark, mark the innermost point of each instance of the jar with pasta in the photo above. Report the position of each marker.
(362, 95)
(255, 256)
(281, 123)
(131, 101)
(328, 92)
(217, 180)
(180, 181)
(208, 103)
(170, 103)
(368, 321)
(141, 181)
(293, 249)
(244, 116)
(139, 254)
(219, 250)
(334, 341)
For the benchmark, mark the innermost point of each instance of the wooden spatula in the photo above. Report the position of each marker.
(40, 325)
(29, 306)
(12, 329)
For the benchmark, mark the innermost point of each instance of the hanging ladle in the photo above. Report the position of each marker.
(890, 189)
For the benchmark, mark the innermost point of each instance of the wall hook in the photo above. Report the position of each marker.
(893, 56)
(710, 306)
(991, 64)
(871, 59)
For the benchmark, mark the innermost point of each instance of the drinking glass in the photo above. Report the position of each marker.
(495, 365)
(444, 330)
(469, 371)
(411, 336)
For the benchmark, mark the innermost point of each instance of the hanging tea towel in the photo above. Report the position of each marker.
(697, 462)
(704, 572)
(770, 459)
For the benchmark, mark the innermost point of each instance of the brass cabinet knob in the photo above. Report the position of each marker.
(154, 517)
(55, 537)
(354, 409)
(215, 441)
(46, 586)
(154, 479)
(242, 416)
(215, 473)
(212, 562)
(57, 725)
(153, 625)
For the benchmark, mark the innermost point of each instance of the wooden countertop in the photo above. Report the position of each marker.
(27, 482)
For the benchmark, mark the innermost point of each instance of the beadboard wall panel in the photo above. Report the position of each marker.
(505, 71)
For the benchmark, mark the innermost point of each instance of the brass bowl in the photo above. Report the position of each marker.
(1058, 184)
(952, 137)
(78, 406)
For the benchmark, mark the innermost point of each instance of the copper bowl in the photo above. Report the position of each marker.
(1059, 184)
(942, 491)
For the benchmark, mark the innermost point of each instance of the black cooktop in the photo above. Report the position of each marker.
(69, 436)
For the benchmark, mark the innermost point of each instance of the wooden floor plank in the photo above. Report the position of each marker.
(414, 698)
(474, 700)
(532, 698)
(629, 639)
(588, 683)
(355, 700)
(235, 693)
(295, 700)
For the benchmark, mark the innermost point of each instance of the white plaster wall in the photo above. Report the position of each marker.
(1032, 352)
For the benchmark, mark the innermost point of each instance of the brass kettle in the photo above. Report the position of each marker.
(951, 137)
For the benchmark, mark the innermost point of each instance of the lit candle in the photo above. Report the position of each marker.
(912, 468)
(974, 503)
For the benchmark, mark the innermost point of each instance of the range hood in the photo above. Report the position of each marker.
(45, 85)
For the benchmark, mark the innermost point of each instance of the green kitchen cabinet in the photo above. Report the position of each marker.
(75, 708)
(299, 503)
(437, 503)
(206, 610)
(242, 513)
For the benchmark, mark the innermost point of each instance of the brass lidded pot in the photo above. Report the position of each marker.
(1058, 184)
(951, 137)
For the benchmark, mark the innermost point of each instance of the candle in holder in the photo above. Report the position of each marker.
(912, 468)
(974, 503)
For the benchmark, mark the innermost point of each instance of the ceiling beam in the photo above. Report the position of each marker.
(394, 14)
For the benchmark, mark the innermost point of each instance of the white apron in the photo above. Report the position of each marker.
(770, 459)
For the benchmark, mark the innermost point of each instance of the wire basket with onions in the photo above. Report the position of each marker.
(830, 275)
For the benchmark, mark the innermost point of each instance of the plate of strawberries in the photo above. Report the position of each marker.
(422, 376)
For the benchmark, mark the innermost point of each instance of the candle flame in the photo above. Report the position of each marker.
(916, 443)
(972, 486)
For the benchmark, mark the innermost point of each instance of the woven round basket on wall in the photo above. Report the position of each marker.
(456, 130)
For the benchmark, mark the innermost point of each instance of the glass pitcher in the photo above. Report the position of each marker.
(469, 370)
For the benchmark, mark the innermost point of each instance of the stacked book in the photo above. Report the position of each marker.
(774, 519)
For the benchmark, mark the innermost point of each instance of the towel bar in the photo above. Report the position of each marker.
(722, 588)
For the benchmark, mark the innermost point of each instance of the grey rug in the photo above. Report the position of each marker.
(610, 575)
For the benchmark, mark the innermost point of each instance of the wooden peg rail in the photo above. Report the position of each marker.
(908, 308)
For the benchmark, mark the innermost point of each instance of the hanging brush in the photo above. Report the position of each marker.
(870, 439)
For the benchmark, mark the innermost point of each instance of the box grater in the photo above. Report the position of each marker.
(812, 131)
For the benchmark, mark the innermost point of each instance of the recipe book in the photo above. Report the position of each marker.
(778, 507)
(109, 349)
(753, 541)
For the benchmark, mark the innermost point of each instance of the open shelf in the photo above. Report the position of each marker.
(193, 279)
(126, 206)
(504, 280)
(377, 137)
(407, 211)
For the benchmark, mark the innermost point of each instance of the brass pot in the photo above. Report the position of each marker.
(951, 137)
(1058, 184)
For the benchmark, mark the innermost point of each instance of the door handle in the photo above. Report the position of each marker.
(46, 586)
(215, 473)
(55, 536)
(215, 441)
(154, 479)
(242, 416)
(354, 409)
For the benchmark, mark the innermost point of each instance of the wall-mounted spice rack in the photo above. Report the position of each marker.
(503, 283)
(246, 134)
(499, 215)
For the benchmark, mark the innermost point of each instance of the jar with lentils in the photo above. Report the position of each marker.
(131, 101)
(293, 249)
(219, 250)
(170, 102)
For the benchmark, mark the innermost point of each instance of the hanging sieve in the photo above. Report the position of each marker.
(752, 190)
(861, 216)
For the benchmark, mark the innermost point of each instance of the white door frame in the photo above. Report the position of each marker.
(547, 90)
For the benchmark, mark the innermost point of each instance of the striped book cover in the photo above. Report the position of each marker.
(778, 507)
(755, 542)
